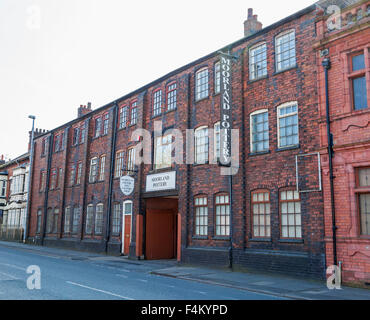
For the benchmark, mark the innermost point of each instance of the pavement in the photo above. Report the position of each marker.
(98, 277)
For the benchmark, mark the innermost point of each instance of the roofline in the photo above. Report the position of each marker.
(22, 157)
(187, 66)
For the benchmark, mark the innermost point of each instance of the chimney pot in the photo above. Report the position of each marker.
(251, 25)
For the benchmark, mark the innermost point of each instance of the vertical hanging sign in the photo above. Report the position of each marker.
(226, 111)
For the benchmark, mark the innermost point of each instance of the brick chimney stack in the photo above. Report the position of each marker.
(251, 25)
(2, 160)
(36, 133)
(82, 110)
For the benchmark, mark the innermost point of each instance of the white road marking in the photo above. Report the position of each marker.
(98, 290)
(9, 276)
(13, 266)
(142, 280)
(122, 276)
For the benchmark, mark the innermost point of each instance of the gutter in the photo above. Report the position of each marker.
(327, 65)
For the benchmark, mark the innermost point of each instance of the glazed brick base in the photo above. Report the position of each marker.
(289, 263)
(114, 248)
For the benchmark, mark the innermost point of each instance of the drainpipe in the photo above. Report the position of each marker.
(46, 199)
(327, 65)
(111, 174)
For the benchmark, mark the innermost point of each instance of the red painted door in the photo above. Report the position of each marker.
(160, 234)
(127, 235)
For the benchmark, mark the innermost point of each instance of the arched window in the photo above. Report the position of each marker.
(201, 84)
(201, 145)
(261, 214)
(285, 49)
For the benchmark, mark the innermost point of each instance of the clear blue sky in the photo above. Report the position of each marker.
(58, 54)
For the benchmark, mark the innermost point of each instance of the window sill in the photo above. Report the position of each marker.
(284, 70)
(156, 116)
(199, 238)
(155, 171)
(255, 154)
(200, 164)
(219, 238)
(258, 79)
(201, 100)
(169, 111)
(288, 148)
(293, 241)
(260, 240)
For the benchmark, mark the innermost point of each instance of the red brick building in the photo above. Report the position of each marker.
(256, 220)
(347, 47)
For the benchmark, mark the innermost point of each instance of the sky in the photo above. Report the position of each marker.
(56, 55)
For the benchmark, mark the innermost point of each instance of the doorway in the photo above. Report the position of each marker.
(126, 227)
(161, 228)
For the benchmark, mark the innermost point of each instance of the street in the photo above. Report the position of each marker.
(93, 277)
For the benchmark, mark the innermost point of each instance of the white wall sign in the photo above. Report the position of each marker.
(127, 185)
(161, 181)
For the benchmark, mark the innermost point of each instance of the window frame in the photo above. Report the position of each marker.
(277, 37)
(264, 202)
(172, 98)
(360, 190)
(201, 226)
(130, 160)
(256, 113)
(133, 119)
(105, 123)
(217, 140)
(116, 219)
(198, 94)
(196, 146)
(285, 105)
(119, 163)
(217, 77)
(93, 176)
(294, 190)
(98, 124)
(124, 113)
(99, 220)
(78, 173)
(65, 220)
(353, 75)
(222, 194)
(254, 47)
(162, 165)
(89, 223)
(157, 103)
(101, 169)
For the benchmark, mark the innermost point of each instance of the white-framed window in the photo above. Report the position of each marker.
(201, 84)
(157, 103)
(89, 219)
(201, 216)
(131, 160)
(102, 168)
(49, 221)
(76, 219)
(163, 152)
(3, 188)
(79, 173)
(172, 96)
(217, 140)
(134, 113)
(218, 77)
(285, 49)
(116, 221)
(99, 219)
(288, 129)
(119, 164)
(201, 145)
(93, 170)
(261, 214)
(67, 219)
(123, 117)
(222, 206)
(259, 124)
(127, 207)
(56, 220)
(290, 210)
(258, 61)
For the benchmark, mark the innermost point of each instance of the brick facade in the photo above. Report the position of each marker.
(273, 171)
(351, 132)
